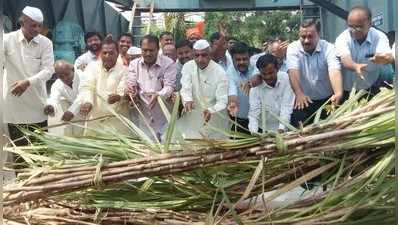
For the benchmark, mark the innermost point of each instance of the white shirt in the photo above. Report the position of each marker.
(278, 100)
(33, 61)
(393, 50)
(61, 91)
(84, 59)
(208, 89)
(376, 42)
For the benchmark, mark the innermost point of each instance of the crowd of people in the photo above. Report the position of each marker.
(222, 85)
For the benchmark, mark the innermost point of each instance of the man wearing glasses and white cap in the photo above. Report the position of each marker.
(204, 94)
(29, 61)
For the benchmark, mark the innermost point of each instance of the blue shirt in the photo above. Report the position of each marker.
(314, 68)
(376, 42)
(235, 79)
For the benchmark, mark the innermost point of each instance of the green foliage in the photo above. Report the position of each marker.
(255, 27)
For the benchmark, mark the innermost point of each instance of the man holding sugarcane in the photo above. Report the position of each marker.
(204, 94)
(314, 72)
(102, 89)
(150, 76)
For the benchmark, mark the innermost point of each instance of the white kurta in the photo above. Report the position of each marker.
(33, 61)
(61, 91)
(65, 97)
(85, 59)
(95, 88)
(208, 89)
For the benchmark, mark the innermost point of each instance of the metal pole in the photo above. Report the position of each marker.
(1, 114)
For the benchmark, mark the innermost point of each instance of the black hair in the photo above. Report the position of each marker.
(126, 35)
(109, 41)
(254, 50)
(311, 22)
(278, 38)
(215, 37)
(92, 34)
(364, 9)
(164, 33)
(265, 60)
(151, 39)
(182, 43)
(239, 48)
(232, 38)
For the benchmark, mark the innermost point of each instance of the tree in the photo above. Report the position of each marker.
(255, 27)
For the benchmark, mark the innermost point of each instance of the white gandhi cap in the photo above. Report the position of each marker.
(134, 51)
(33, 13)
(201, 44)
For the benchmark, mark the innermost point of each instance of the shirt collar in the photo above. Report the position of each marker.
(245, 74)
(111, 69)
(21, 37)
(265, 85)
(318, 47)
(157, 63)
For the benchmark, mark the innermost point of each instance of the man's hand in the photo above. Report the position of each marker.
(19, 87)
(206, 116)
(85, 109)
(49, 110)
(360, 69)
(382, 58)
(222, 28)
(189, 106)
(68, 116)
(113, 98)
(173, 97)
(336, 98)
(281, 51)
(82, 67)
(153, 100)
(302, 101)
(132, 90)
(233, 108)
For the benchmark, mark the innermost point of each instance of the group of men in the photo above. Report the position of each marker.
(221, 84)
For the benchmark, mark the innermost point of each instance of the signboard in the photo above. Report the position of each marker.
(377, 20)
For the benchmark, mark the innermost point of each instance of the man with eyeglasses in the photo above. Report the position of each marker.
(363, 51)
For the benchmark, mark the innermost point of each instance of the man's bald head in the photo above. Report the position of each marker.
(359, 22)
(64, 71)
(63, 64)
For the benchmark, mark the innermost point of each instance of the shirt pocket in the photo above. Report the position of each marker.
(32, 65)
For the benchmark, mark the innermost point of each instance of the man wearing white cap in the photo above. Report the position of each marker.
(28, 65)
(204, 94)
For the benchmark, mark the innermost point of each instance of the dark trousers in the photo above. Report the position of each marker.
(242, 122)
(301, 115)
(18, 136)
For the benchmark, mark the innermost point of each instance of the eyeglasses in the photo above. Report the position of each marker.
(356, 28)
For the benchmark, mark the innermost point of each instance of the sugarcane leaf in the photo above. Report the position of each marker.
(172, 124)
(231, 207)
(252, 182)
(280, 143)
(147, 184)
(300, 180)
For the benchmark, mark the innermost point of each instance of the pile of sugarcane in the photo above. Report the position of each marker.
(219, 182)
